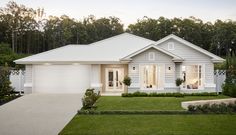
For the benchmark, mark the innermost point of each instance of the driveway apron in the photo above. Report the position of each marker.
(38, 114)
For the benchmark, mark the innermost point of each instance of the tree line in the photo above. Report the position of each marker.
(27, 31)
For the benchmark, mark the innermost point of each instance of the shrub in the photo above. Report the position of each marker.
(5, 87)
(89, 99)
(191, 108)
(229, 89)
(154, 94)
(135, 112)
(127, 81)
(140, 94)
(179, 81)
(214, 108)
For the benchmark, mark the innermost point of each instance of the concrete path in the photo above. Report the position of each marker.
(38, 114)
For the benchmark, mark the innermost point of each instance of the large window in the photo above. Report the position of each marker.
(149, 76)
(192, 76)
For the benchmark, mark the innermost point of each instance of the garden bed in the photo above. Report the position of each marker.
(8, 98)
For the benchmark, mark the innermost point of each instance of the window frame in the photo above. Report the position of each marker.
(153, 56)
(171, 46)
(201, 78)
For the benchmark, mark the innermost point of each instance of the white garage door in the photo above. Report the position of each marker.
(61, 78)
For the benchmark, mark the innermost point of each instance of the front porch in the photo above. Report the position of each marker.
(111, 78)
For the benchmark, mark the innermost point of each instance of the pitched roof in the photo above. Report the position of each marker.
(175, 57)
(214, 57)
(107, 50)
(110, 50)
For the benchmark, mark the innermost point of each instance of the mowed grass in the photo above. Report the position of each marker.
(147, 103)
(151, 125)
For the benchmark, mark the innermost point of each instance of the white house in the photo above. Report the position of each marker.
(152, 66)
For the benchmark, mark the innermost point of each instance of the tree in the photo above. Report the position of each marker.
(28, 32)
(7, 56)
(5, 88)
(18, 19)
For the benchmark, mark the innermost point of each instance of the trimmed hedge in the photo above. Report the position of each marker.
(214, 108)
(125, 112)
(147, 112)
(154, 94)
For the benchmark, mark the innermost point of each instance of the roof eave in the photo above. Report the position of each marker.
(67, 62)
(217, 60)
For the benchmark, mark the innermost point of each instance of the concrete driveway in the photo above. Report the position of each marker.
(38, 114)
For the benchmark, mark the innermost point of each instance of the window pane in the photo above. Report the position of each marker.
(110, 78)
(192, 77)
(149, 76)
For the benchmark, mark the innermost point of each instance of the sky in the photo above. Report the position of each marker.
(131, 10)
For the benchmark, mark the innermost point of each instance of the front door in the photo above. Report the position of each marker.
(114, 79)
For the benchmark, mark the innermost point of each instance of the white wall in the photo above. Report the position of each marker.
(160, 59)
(193, 57)
(96, 76)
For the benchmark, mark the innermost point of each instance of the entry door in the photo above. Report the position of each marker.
(114, 79)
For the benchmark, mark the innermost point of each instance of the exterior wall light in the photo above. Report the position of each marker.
(133, 68)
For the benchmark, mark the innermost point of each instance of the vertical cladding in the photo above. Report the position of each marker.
(28, 74)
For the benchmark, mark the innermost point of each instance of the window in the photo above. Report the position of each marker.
(151, 56)
(149, 76)
(171, 46)
(192, 76)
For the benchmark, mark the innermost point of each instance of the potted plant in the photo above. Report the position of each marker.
(178, 82)
(127, 81)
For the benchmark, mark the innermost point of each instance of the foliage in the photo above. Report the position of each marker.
(29, 31)
(8, 98)
(214, 108)
(179, 81)
(217, 38)
(89, 99)
(7, 56)
(154, 94)
(127, 81)
(229, 88)
(5, 88)
(128, 112)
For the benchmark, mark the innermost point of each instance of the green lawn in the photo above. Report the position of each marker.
(146, 103)
(151, 125)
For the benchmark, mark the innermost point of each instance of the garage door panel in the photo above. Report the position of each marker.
(61, 78)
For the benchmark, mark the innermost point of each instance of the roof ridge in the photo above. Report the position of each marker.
(116, 36)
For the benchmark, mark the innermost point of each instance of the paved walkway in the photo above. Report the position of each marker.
(38, 114)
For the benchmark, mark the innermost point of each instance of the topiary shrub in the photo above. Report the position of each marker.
(179, 81)
(127, 81)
